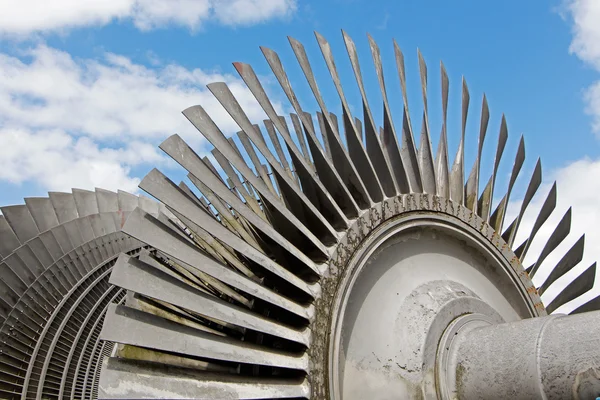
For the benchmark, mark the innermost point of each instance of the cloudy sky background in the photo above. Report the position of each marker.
(89, 88)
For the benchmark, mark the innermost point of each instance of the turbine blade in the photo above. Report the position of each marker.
(408, 150)
(579, 286)
(328, 175)
(545, 212)
(560, 233)
(425, 154)
(389, 139)
(373, 146)
(441, 159)
(497, 218)
(457, 174)
(472, 189)
(534, 184)
(569, 260)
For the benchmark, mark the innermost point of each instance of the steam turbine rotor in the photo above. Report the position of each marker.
(325, 256)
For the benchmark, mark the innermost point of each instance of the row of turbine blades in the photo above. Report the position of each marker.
(222, 301)
(57, 254)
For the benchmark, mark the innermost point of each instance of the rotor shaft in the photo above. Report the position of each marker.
(553, 357)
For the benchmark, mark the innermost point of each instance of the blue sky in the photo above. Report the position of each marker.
(107, 81)
(515, 52)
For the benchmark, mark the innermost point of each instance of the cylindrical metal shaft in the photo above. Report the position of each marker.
(554, 357)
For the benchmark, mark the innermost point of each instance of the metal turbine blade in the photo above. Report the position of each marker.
(57, 254)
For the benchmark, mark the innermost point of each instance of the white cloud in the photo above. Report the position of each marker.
(59, 161)
(578, 183)
(586, 30)
(62, 119)
(578, 186)
(585, 16)
(23, 17)
(246, 12)
(108, 98)
(592, 100)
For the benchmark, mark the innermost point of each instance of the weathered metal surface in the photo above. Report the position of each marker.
(576, 288)
(530, 359)
(122, 380)
(425, 153)
(534, 184)
(149, 230)
(472, 186)
(560, 233)
(441, 158)
(142, 278)
(457, 173)
(53, 301)
(373, 146)
(408, 151)
(497, 218)
(484, 204)
(129, 326)
(569, 260)
(545, 212)
(389, 138)
(328, 174)
(21, 222)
